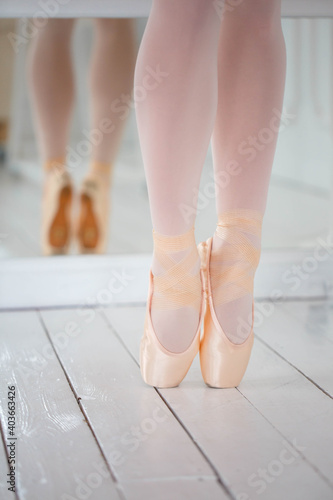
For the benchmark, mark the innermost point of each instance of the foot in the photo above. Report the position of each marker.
(176, 298)
(92, 231)
(56, 210)
(234, 259)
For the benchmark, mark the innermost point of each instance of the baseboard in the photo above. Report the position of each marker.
(83, 281)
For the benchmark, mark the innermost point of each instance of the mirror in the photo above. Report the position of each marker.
(300, 206)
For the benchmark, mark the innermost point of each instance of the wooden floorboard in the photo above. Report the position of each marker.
(238, 431)
(293, 405)
(57, 454)
(5, 494)
(84, 414)
(19, 216)
(175, 489)
(302, 333)
(139, 435)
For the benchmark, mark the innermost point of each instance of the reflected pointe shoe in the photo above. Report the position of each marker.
(159, 366)
(92, 227)
(223, 363)
(56, 209)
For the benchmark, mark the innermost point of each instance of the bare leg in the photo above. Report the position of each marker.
(111, 77)
(175, 123)
(51, 86)
(252, 64)
(52, 91)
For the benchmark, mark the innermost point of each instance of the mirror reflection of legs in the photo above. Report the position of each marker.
(51, 84)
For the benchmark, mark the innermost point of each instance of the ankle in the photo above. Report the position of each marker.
(238, 228)
(100, 170)
(234, 260)
(219, 244)
(55, 165)
(176, 249)
(176, 264)
(158, 269)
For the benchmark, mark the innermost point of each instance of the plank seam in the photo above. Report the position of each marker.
(314, 467)
(218, 477)
(293, 366)
(86, 418)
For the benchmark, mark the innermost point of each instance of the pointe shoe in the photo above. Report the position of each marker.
(92, 227)
(223, 363)
(160, 367)
(56, 212)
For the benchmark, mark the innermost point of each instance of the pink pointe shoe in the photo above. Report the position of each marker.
(160, 367)
(175, 288)
(92, 225)
(56, 230)
(223, 363)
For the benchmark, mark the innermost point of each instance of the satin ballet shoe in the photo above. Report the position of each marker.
(160, 367)
(223, 363)
(56, 211)
(92, 226)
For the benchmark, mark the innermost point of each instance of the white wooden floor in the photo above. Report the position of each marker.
(88, 427)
